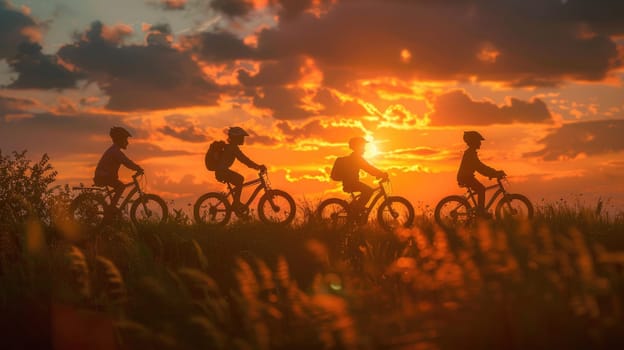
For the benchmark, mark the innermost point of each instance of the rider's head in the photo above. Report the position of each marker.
(236, 135)
(473, 139)
(358, 144)
(119, 136)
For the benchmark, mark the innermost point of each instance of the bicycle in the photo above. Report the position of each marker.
(93, 205)
(457, 210)
(274, 206)
(393, 212)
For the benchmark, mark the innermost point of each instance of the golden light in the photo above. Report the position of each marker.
(371, 149)
(406, 56)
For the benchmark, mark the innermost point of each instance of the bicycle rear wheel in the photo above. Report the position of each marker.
(276, 207)
(514, 206)
(395, 212)
(453, 211)
(213, 209)
(87, 209)
(334, 213)
(149, 209)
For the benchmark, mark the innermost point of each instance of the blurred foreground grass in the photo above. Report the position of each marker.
(555, 282)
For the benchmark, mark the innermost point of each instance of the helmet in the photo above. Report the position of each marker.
(117, 132)
(358, 140)
(237, 131)
(472, 137)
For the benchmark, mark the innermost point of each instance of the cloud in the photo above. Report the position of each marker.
(589, 138)
(15, 28)
(318, 130)
(73, 138)
(532, 42)
(183, 128)
(140, 77)
(9, 105)
(218, 46)
(168, 5)
(457, 108)
(39, 71)
(233, 8)
(267, 140)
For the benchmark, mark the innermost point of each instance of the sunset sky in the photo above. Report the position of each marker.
(542, 80)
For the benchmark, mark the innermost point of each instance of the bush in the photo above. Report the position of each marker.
(25, 188)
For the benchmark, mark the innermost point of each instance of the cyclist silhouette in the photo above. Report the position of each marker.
(107, 170)
(351, 173)
(231, 152)
(471, 163)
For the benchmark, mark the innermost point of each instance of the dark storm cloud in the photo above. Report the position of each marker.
(13, 27)
(39, 71)
(457, 108)
(184, 129)
(590, 138)
(140, 77)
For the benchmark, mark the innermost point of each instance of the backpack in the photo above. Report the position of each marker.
(341, 166)
(213, 155)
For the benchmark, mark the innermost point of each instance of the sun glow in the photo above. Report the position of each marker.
(371, 150)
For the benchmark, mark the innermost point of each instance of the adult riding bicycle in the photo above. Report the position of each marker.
(92, 207)
(393, 212)
(274, 206)
(456, 210)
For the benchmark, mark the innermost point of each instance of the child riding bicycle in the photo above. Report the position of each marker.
(107, 169)
(230, 152)
(469, 164)
(347, 170)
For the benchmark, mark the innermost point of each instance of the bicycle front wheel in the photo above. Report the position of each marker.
(276, 207)
(452, 211)
(87, 209)
(395, 212)
(514, 206)
(212, 209)
(334, 213)
(149, 209)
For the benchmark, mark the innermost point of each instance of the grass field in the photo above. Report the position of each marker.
(555, 282)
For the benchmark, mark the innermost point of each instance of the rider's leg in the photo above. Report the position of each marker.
(118, 189)
(236, 180)
(479, 189)
(365, 194)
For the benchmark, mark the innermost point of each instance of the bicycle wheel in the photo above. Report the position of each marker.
(87, 209)
(212, 208)
(514, 206)
(149, 209)
(395, 212)
(276, 207)
(453, 211)
(334, 213)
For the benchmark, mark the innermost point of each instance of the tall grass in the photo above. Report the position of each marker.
(554, 282)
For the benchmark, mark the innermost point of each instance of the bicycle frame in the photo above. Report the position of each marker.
(262, 183)
(378, 193)
(108, 192)
(500, 191)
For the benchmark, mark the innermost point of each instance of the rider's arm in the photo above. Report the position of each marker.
(366, 166)
(482, 168)
(245, 160)
(123, 159)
